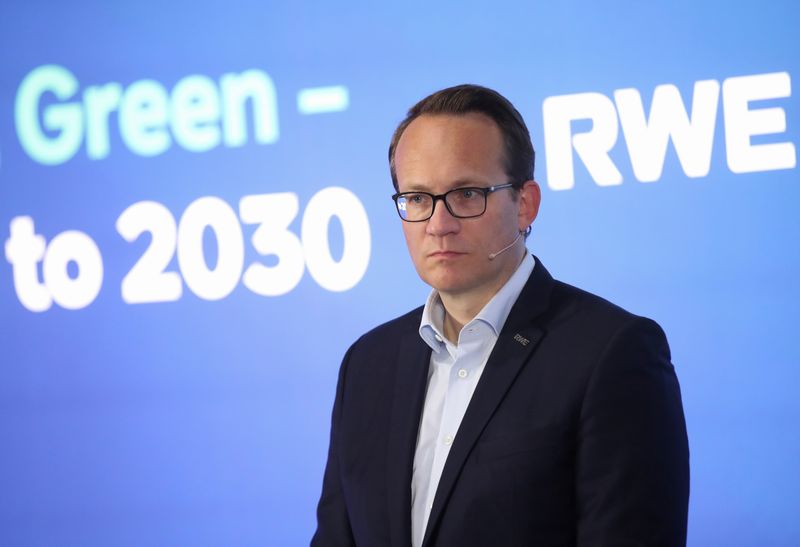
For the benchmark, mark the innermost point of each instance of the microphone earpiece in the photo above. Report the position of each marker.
(492, 256)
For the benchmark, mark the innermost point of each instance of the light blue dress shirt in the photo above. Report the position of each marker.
(452, 376)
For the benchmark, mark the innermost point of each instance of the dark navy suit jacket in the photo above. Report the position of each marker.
(575, 434)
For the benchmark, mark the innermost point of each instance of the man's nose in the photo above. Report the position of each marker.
(441, 221)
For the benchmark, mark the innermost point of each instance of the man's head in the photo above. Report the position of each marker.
(451, 140)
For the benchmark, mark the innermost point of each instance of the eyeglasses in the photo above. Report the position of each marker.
(468, 202)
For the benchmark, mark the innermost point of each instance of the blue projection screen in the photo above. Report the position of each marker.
(195, 225)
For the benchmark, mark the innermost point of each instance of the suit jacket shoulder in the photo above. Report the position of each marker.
(373, 354)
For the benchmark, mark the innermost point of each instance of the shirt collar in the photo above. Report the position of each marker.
(494, 313)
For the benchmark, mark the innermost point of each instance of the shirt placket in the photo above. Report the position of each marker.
(457, 394)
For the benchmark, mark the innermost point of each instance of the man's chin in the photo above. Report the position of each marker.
(450, 284)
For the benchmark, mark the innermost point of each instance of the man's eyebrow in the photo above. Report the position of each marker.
(458, 183)
(417, 187)
(466, 181)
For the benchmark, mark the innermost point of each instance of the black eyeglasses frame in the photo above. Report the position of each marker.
(443, 197)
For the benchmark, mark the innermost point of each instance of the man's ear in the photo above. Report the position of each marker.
(530, 196)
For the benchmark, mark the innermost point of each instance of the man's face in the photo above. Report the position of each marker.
(437, 153)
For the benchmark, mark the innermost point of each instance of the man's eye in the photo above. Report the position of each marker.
(415, 199)
(467, 193)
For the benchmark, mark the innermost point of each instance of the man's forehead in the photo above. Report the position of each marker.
(448, 151)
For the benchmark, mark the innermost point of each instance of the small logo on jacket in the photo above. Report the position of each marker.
(521, 339)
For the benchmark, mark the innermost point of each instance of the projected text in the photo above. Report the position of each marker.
(647, 138)
(150, 281)
(198, 114)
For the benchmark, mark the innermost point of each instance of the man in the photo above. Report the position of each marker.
(512, 409)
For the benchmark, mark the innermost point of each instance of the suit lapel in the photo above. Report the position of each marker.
(514, 347)
(409, 394)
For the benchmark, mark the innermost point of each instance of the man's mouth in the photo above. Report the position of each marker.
(445, 254)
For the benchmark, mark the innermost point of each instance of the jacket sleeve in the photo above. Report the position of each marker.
(632, 462)
(333, 523)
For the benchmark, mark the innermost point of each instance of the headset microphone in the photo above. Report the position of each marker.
(492, 256)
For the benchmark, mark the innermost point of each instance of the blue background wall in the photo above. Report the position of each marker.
(205, 422)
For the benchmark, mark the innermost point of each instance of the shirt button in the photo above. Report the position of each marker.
(438, 338)
(448, 440)
(462, 373)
